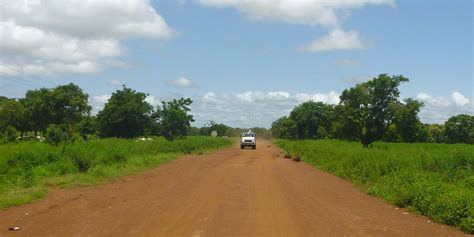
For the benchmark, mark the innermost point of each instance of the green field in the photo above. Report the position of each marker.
(27, 169)
(435, 180)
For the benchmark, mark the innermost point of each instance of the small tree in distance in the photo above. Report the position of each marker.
(126, 114)
(285, 128)
(460, 129)
(173, 118)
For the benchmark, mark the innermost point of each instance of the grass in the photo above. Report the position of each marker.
(436, 180)
(27, 169)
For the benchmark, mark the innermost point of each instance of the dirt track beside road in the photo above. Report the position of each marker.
(230, 192)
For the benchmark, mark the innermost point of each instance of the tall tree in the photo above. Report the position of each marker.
(173, 118)
(126, 114)
(13, 113)
(40, 109)
(310, 117)
(408, 125)
(460, 129)
(435, 133)
(366, 107)
(69, 105)
(285, 128)
(87, 127)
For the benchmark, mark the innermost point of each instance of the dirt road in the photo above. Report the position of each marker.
(230, 192)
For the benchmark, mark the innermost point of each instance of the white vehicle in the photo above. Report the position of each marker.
(248, 139)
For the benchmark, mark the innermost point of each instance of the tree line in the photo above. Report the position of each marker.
(224, 130)
(63, 113)
(368, 112)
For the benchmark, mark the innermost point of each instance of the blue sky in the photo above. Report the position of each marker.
(246, 63)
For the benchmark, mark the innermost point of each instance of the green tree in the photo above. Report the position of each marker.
(408, 125)
(69, 104)
(310, 117)
(460, 129)
(435, 133)
(10, 134)
(39, 107)
(365, 109)
(65, 104)
(13, 113)
(55, 134)
(87, 127)
(194, 131)
(126, 114)
(173, 118)
(220, 128)
(285, 128)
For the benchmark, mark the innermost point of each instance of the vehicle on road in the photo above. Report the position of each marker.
(248, 139)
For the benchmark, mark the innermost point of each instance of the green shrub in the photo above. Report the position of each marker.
(11, 134)
(55, 134)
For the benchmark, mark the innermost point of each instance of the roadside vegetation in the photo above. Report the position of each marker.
(27, 169)
(369, 112)
(50, 138)
(435, 180)
(399, 159)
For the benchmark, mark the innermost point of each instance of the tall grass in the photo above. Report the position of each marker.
(28, 168)
(436, 180)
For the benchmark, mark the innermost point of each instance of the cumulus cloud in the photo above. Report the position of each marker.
(336, 40)
(181, 82)
(459, 99)
(97, 102)
(439, 109)
(423, 96)
(328, 14)
(67, 36)
(309, 12)
(252, 108)
(153, 100)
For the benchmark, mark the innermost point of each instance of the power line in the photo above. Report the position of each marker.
(16, 81)
(22, 79)
(28, 75)
(19, 79)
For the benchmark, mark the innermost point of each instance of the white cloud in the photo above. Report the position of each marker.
(328, 14)
(423, 96)
(252, 108)
(459, 99)
(50, 68)
(279, 94)
(336, 40)
(98, 101)
(347, 62)
(308, 12)
(181, 82)
(330, 98)
(68, 36)
(102, 99)
(440, 109)
(153, 100)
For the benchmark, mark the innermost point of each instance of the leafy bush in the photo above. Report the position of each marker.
(10, 134)
(436, 180)
(55, 134)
